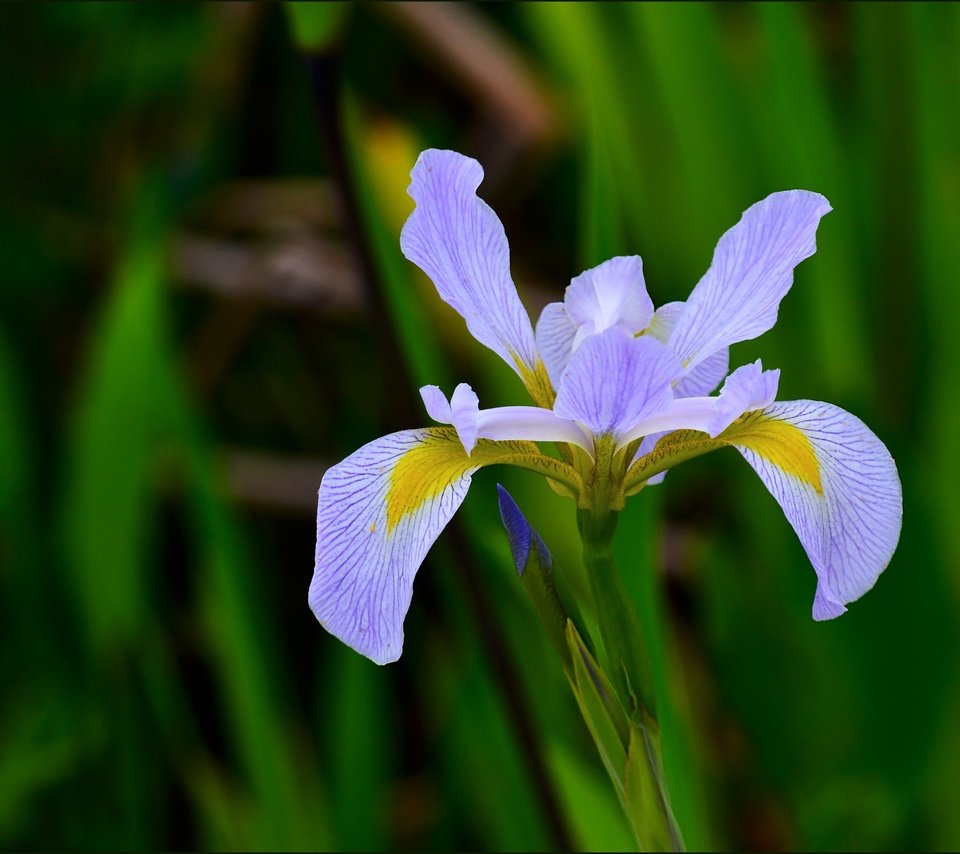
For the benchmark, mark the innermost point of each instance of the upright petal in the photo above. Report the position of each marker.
(458, 241)
(838, 487)
(705, 376)
(610, 294)
(752, 270)
(379, 512)
(664, 321)
(702, 378)
(555, 334)
(615, 380)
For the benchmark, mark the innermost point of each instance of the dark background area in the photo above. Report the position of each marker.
(188, 337)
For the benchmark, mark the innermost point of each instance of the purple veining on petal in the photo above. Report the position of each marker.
(706, 376)
(702, 378)
(555, 334)
(458, 241)
(752, 269)
(849, 529)
(363, 573)
(615, 380)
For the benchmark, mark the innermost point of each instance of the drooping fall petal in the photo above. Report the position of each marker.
(379, 512)
(838, 487)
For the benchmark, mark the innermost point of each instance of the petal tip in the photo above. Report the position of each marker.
(443, 160)
(825, 608)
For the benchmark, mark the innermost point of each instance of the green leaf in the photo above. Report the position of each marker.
(316, 25)
(600, 709)
(647, 803)
(112, 453)
(597, 821)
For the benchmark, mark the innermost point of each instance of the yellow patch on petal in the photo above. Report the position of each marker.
(536, 381)
(778, 442)
(424, 471)
(427, 469)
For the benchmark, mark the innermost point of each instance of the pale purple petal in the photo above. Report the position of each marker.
(462, 411)
(555, 334)
(436, 403)
(459, 242)
(374, 528)
(502, 423)
(845, 505)
(682, 413)
(749, 387)
(706, 376)
(615, 380)
(664, 320)
(532, 423)
(752, 270)
(611, 294)
(465, 415)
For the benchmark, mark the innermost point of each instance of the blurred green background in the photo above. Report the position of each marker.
(203, 304)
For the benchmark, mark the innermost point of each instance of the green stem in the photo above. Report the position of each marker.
(626, 657)
(627, 661)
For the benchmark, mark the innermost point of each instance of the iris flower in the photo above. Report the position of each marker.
(625, 392)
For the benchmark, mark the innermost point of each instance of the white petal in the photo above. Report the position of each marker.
(748, 388)
(465, 415)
